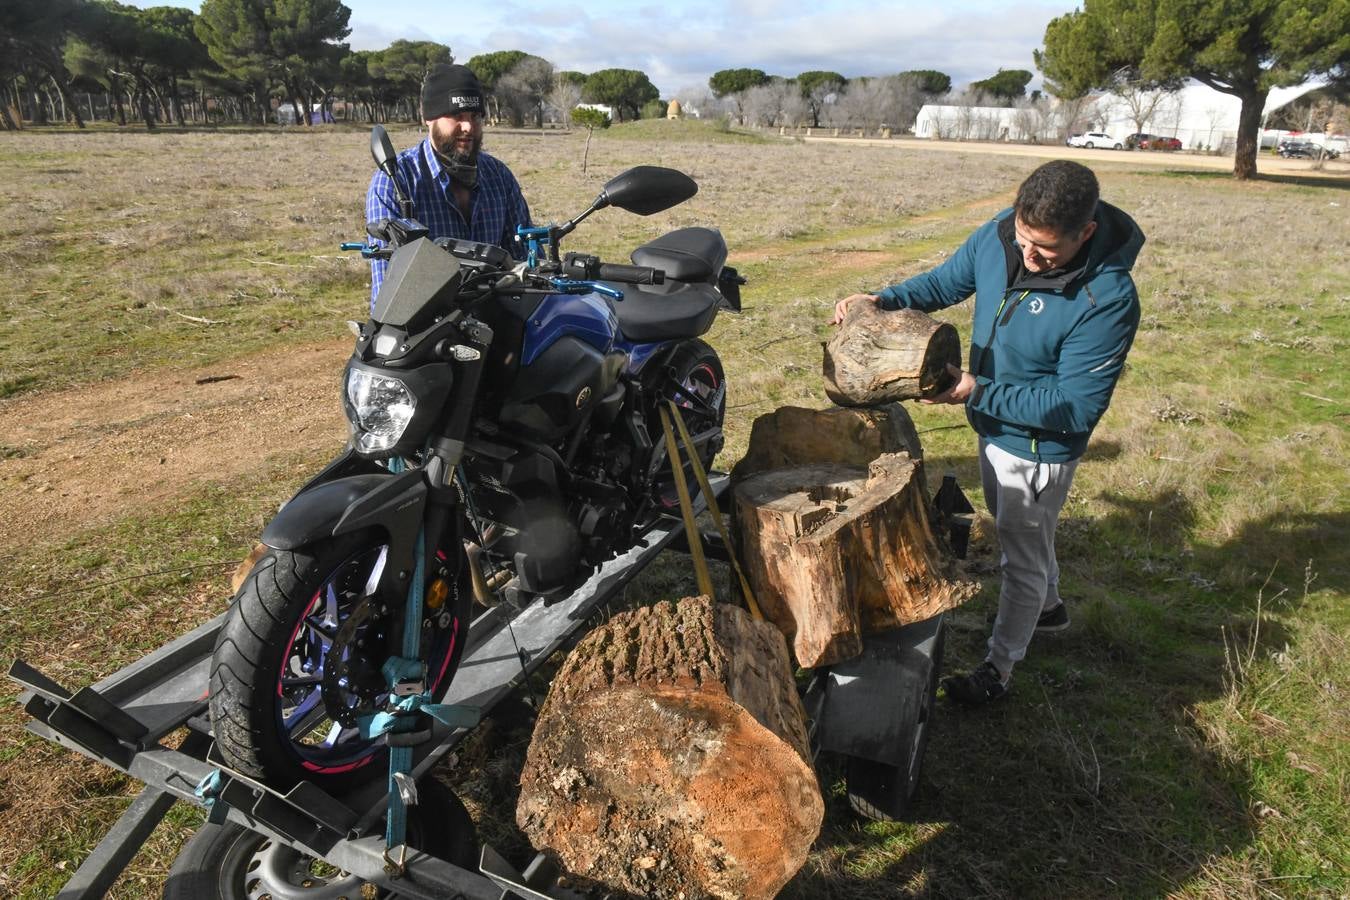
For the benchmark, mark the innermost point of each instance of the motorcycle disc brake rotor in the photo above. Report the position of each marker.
(276, 871)
(352, 681)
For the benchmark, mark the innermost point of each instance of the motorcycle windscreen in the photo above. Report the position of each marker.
(421, 283)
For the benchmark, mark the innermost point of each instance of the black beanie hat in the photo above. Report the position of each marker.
(450, 89)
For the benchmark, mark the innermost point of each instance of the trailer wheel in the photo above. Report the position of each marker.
(886, 793)
(230, 862)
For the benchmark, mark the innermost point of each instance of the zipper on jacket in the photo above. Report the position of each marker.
(989, 344)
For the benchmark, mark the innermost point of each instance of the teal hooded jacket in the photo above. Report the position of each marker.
(1046, 350)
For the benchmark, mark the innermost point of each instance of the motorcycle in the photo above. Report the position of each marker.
(505, 440)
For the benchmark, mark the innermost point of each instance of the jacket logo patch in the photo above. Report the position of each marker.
(1035, 306)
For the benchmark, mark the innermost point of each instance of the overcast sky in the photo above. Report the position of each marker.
(681, 42)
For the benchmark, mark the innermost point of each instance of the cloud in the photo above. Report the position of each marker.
(367, 35)
(684, 44)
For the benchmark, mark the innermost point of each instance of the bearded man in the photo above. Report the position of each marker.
(457, 190)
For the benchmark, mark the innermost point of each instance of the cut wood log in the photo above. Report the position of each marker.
(834, 552)
(879, 355)
(671, 757)
(792, 436)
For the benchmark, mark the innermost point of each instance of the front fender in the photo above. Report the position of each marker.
(313, 513)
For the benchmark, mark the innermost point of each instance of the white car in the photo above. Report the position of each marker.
(1093, 139)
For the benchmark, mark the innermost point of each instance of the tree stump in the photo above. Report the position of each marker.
(879, 355)
(833, 528)
(671, 757)
(793, 435)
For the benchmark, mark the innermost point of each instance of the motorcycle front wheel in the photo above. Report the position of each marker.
(298, 661)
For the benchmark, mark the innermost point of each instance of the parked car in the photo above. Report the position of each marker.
(1143, 141)
(1093, 139)
(1304, 150)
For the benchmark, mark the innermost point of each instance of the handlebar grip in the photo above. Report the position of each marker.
(630, 274)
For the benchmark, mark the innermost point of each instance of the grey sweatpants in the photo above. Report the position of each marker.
(1025, 498)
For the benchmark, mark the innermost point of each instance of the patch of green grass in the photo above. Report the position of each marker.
(685, 129)
(18, 384)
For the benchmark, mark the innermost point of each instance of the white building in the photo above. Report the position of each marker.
(1197, 115)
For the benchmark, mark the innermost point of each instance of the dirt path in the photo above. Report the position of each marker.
(82, 457)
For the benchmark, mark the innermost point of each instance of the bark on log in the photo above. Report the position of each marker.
(834, 552)
(879, 355)
(671, 757)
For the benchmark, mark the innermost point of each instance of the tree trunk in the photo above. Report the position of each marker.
(117, 93)
(1248, 134)
(878, 356)
(671, 758)
(144, 105)
(834, 552)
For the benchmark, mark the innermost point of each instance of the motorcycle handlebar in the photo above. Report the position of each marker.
(580, 265)
(630, 274)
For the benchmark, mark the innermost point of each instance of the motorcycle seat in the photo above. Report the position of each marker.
(667, 312)
(686, 254)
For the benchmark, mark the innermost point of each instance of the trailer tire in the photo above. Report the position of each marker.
(886, 793)
(230, 862)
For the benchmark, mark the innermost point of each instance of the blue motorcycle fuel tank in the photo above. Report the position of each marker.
(570, 360)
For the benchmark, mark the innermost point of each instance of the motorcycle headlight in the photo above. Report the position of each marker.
(379, 408)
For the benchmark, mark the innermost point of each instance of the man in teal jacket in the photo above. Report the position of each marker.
(1055, 313)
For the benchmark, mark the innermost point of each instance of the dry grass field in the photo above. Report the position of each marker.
(1186, 737)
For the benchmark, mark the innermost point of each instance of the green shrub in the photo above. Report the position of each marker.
(590, 118)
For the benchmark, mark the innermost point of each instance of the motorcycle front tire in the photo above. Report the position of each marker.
(230, 862)
(262, 648)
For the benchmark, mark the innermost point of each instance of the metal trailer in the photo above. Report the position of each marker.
(874, 710)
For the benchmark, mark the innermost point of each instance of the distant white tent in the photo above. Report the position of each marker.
(1197, 115)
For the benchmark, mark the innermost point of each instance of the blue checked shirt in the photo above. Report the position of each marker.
(497, 204)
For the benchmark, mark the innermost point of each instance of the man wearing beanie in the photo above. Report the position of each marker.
(456, 189)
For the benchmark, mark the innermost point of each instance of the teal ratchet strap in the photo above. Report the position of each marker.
(403, 715)
(208, 789)
(400, 758)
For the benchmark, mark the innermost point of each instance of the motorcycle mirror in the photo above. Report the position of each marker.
(647, 189)
(382, 149)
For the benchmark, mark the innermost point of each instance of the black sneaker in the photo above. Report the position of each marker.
(1049, 622)
(1053, 620)
(982, 685)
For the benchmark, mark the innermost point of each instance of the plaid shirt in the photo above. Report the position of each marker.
(497, 204)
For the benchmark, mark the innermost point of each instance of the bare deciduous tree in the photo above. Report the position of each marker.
(1141, 101)
(525, 88)
(1072, 115)
(563, 98)
(1034, 120)
(698, 100)
(772, 104)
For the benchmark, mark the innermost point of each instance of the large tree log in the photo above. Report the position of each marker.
(880, 355)
(834, 552)
(793, 436)
(671, 757)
